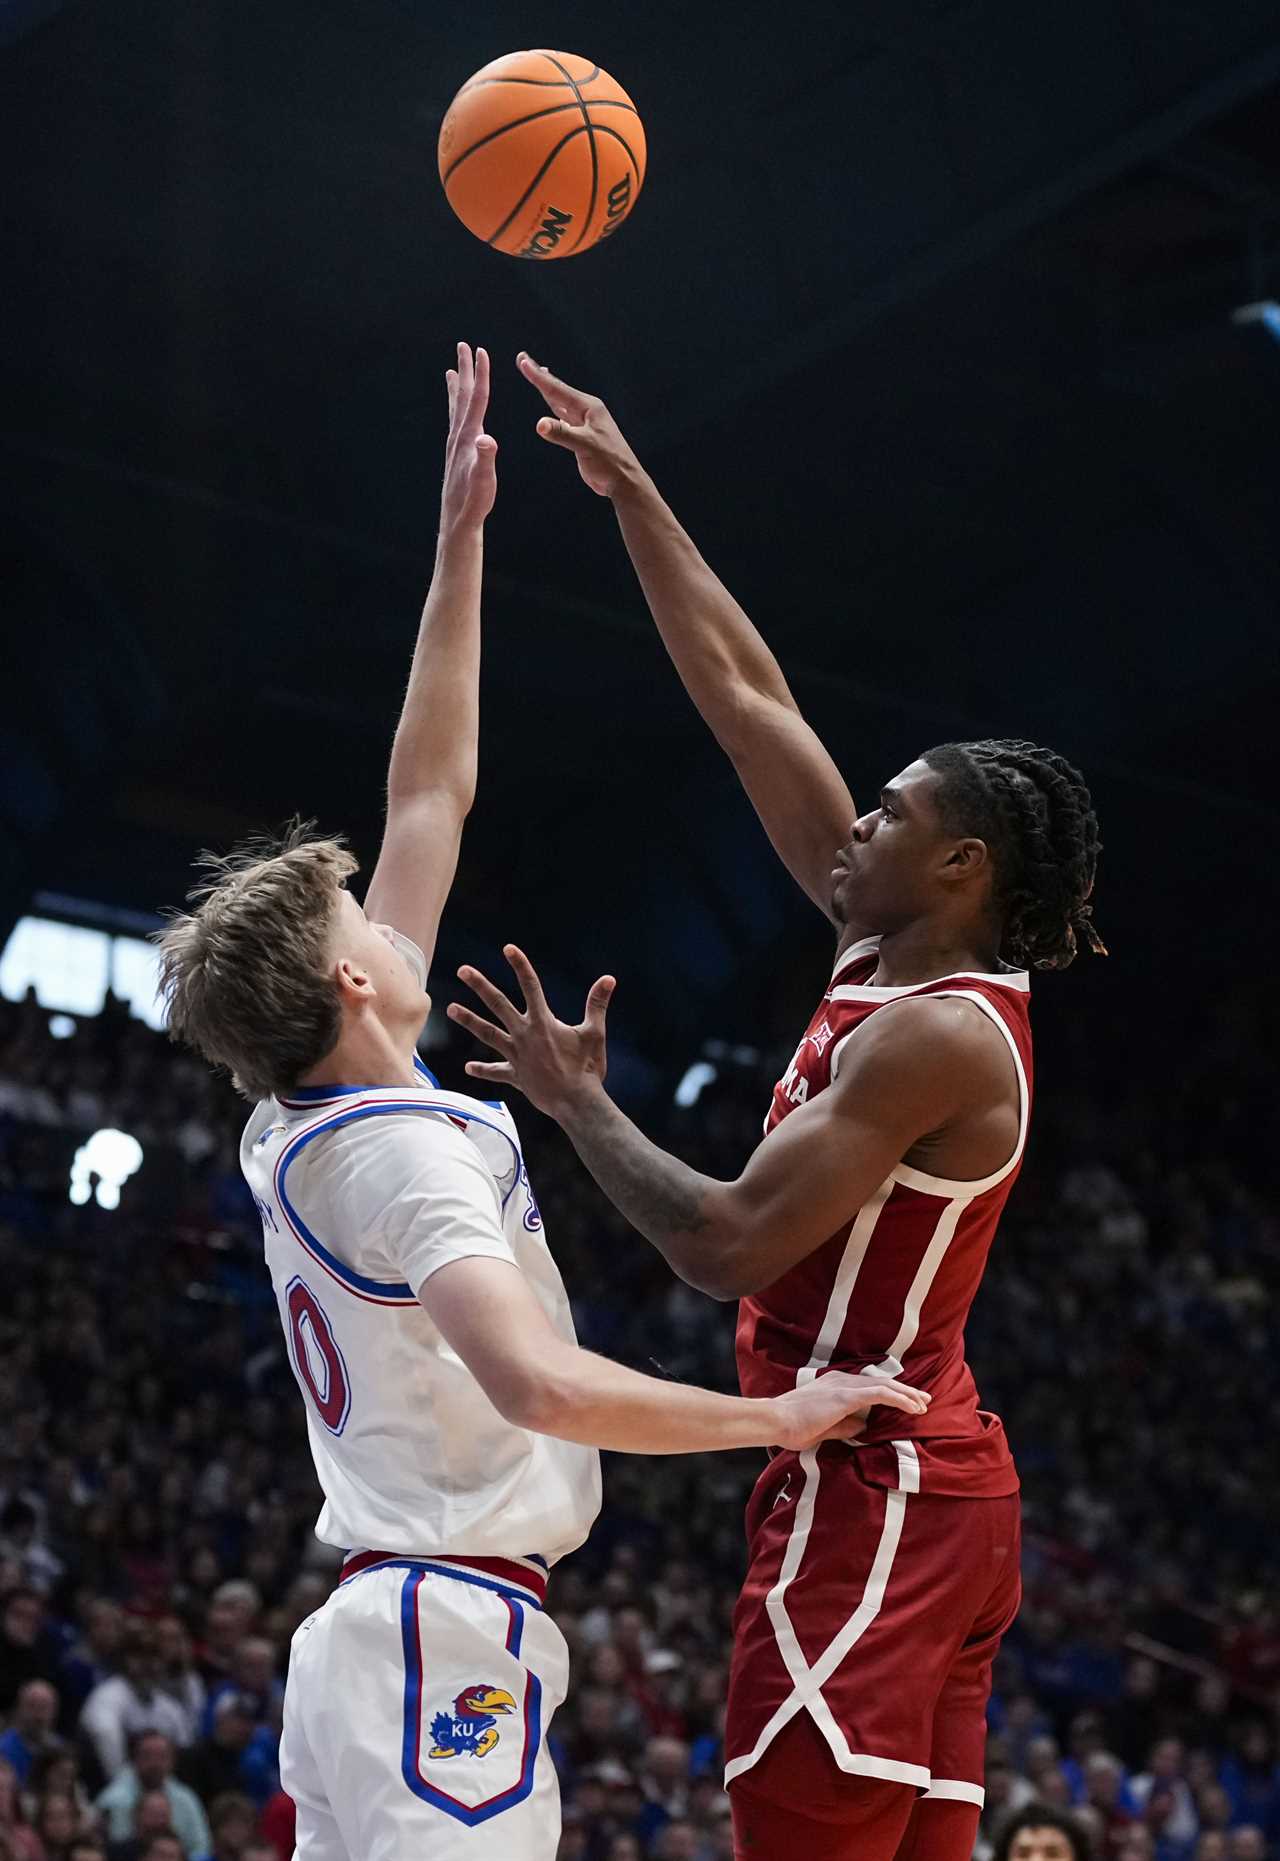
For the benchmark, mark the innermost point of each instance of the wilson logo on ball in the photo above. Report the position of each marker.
(619, 200)
(548, 236)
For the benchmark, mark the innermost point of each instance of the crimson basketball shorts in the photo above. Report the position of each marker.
(877, 1609)
(416, 1714)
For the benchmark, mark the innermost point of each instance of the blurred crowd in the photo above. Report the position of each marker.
(157, 1498)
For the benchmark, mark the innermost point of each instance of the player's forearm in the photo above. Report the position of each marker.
(578, 1396)
(687, 1216)
(435, 747)
(716, 649)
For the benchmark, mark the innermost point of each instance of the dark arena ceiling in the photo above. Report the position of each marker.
(923, 323)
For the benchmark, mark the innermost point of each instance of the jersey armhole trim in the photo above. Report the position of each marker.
(956, 1189)
(374, 1291)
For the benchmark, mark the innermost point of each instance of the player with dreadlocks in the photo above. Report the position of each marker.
(883, 1569)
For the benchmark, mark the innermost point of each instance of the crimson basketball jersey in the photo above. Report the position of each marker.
(891, 1291)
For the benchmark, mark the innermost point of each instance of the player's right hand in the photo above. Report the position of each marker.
(583, 424)
(470, 475)
(831, 1407)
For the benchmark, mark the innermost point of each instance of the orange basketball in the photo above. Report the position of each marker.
(542, 154)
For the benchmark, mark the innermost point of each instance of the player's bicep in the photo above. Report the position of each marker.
(416, 867)
(829, 1157)
(793, 784)
(487, 1312)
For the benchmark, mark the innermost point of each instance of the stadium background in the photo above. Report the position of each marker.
(924, 324)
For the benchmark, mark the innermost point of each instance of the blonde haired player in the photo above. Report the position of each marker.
(453, 1419)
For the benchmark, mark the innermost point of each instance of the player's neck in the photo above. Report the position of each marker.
(366, 1054)
(923, 952)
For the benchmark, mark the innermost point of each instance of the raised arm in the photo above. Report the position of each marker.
(735, 681)
(431, 781)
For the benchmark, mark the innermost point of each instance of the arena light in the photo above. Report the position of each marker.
(1265, 314)
(112, 1157)
(61, 1027)
(694, 1083)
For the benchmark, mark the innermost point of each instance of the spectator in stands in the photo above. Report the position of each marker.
(151, 1816)
(161, 1848)
(26, 1652)
(233, 1610)
(178, 1676)
(58, 1826)
(31, 1733)
(1039, 1832)
(92, 1657)
(253, 1673)
(1247, 1843)
(15, 1833)
(57, 1773)
(1162, 1795)
(278, 1824)
(151, 1770)
(231, 1818)
(129, 1702)
(21, 1541)
(238, 1756)
(86, 1848)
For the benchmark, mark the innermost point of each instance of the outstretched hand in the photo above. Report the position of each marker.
(548, 1060)
(470, 454)
(834, 1407)
(585, 427)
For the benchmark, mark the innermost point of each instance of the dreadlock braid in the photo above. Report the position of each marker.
(1032, 808)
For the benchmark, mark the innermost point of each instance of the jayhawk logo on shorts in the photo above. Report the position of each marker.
(469, 1730)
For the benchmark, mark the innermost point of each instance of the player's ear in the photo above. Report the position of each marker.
(965, 860)
(352, 978)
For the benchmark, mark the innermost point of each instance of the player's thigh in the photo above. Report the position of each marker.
(939, 1831)
(428, 1701)
(958, 1752)
(796, 1801)
(318, 1837)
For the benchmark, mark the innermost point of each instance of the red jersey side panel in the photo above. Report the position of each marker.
(892, 1290)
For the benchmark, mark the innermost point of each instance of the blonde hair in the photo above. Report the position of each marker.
(245, 973)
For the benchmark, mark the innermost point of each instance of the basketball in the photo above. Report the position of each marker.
(542, 155)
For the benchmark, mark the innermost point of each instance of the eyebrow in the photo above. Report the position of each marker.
(890, 793)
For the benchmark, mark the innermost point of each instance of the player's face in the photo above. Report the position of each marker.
(1041, 1845)
(370, 950)
(881, 875)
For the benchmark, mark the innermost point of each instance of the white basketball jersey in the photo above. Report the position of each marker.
(364, 1193)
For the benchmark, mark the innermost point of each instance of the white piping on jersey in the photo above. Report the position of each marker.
(956, 1188)
(808, 1682)
(951, 1790)
(918, 1291)
(1016, 979)
(863, 947)
(365, 1105)
(851, 1260)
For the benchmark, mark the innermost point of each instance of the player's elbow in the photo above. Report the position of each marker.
(530, 1396)
(724, 1275)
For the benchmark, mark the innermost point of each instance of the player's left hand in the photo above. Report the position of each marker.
(547, 1059)
(470, 454)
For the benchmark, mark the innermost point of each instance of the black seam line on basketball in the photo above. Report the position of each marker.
(595, 157)
(533, 184)
(551, 109)
(551, 83)
(606, 131)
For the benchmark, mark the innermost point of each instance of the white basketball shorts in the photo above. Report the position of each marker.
(416, 1714)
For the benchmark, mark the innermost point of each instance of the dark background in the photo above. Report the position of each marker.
(923, 323)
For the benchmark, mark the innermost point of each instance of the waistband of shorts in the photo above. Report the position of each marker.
(523, 1577)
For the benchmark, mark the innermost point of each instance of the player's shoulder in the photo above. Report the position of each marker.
(947, 1032)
